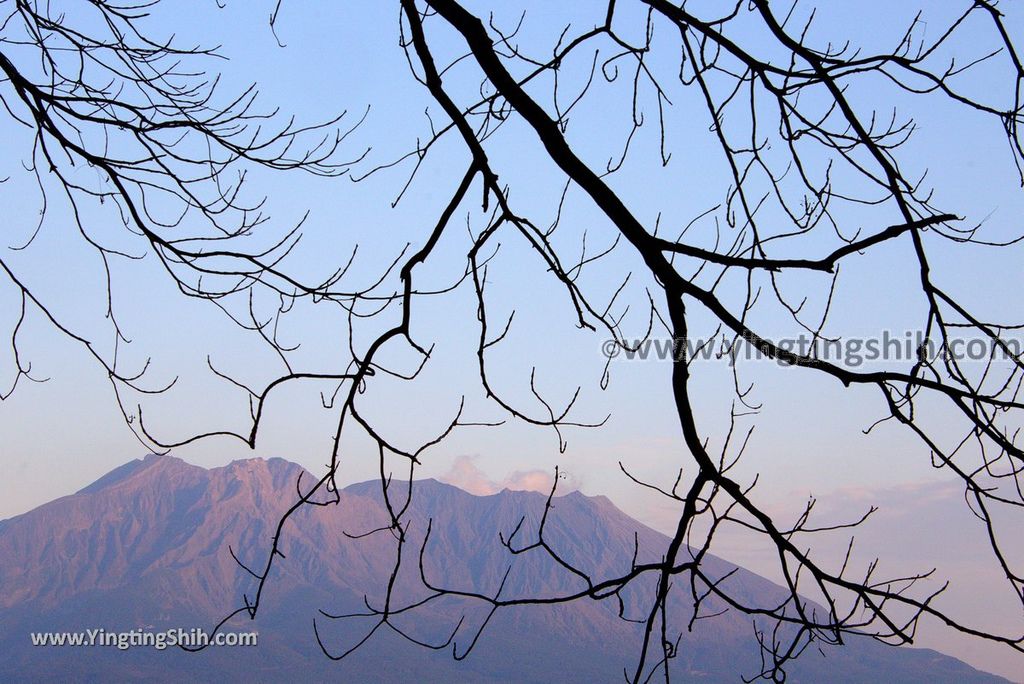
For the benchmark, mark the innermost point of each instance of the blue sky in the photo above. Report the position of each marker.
(60, 435)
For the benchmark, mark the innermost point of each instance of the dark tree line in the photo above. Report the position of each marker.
(805, 153)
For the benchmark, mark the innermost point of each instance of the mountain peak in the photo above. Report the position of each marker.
(132, 469)
(151, 543)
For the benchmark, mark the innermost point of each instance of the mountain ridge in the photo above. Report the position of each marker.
(147, 544)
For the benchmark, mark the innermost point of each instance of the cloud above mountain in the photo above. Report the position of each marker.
(467, 475)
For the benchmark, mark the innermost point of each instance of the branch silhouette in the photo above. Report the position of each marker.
(805, 160)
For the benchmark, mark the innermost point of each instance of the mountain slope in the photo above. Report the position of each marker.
(147, 545)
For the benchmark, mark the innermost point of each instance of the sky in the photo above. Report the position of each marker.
(60, 435)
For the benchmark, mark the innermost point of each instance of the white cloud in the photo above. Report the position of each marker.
(467, 475)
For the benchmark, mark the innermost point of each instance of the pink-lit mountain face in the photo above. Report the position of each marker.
(147, 546)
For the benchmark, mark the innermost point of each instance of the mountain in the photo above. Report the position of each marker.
(147, 547)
